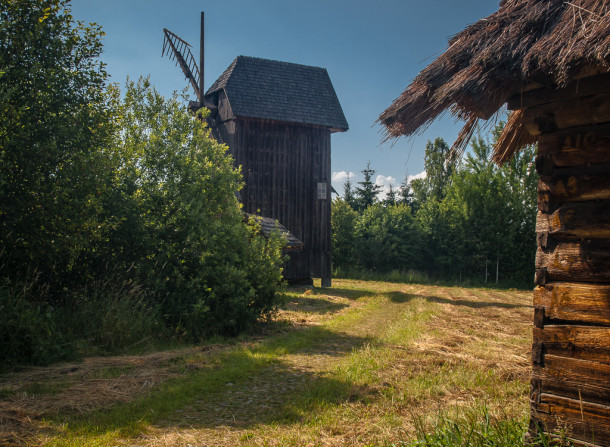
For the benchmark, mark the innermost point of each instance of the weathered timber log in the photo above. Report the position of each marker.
(586, 260)
(584, 421)
(589, 110)
(576, 302)
(572, 188)
(576, 147)
(573, 378)
(588, 220)
(579, 342)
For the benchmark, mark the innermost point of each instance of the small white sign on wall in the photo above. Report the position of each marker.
(322, 191)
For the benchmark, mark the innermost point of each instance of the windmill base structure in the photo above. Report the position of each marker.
(277, 119)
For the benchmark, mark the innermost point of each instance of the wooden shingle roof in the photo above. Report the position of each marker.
(269, 226)
(281, 91)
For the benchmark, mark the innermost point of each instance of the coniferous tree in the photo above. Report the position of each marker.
(348, 192)
(405, 193)
(391, 197)
(366, 194)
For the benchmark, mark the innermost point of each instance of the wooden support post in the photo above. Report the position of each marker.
(201, 61)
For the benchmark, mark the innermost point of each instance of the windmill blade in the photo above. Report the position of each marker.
(179, 50)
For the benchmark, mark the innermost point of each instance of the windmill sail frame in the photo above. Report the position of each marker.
(180, 50)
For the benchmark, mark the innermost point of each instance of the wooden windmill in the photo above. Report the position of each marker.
(276, 118)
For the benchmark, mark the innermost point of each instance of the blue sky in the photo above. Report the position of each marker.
(371, 49)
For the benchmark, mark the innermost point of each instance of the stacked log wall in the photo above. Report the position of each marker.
(570, 387)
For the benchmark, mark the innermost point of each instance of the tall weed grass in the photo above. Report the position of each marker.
(113, 316)
(477, 428)
(105, 319)
(29, 330)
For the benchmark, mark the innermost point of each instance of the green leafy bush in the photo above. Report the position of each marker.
(178, 224)
(55, 121)
(124, 210)
(343, 226)
(387, 238)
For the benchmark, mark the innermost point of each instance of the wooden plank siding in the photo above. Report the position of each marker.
(570, 387)
(282, 164)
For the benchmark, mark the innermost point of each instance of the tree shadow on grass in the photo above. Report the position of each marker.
(313, 305)
(242, 387)
(399, 297)
(280, 394)
(350, 294)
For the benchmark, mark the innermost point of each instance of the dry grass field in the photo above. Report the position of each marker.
(362, 363)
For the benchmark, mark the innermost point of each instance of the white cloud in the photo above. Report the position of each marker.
(341, 176)
(416, 176)
(385, 183)
(338, 180)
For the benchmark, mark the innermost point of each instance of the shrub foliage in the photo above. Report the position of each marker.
(463, 220)
(119, 216)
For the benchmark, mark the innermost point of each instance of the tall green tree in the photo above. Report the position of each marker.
(485, 219)
(405, 192)
(348, 192)
(366, 194)
(391, 197)
(439, 168)
(343, 224)
(55, 123)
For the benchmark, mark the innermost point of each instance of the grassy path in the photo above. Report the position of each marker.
(363, 363)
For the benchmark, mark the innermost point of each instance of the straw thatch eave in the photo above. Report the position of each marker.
(544, 43)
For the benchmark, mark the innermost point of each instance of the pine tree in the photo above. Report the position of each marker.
(405, 193)
(390, 198)
(348, 193)
(366, 194)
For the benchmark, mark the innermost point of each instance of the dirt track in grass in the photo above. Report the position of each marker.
(361, 363)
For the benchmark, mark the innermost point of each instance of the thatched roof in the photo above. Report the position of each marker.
(525, 44)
